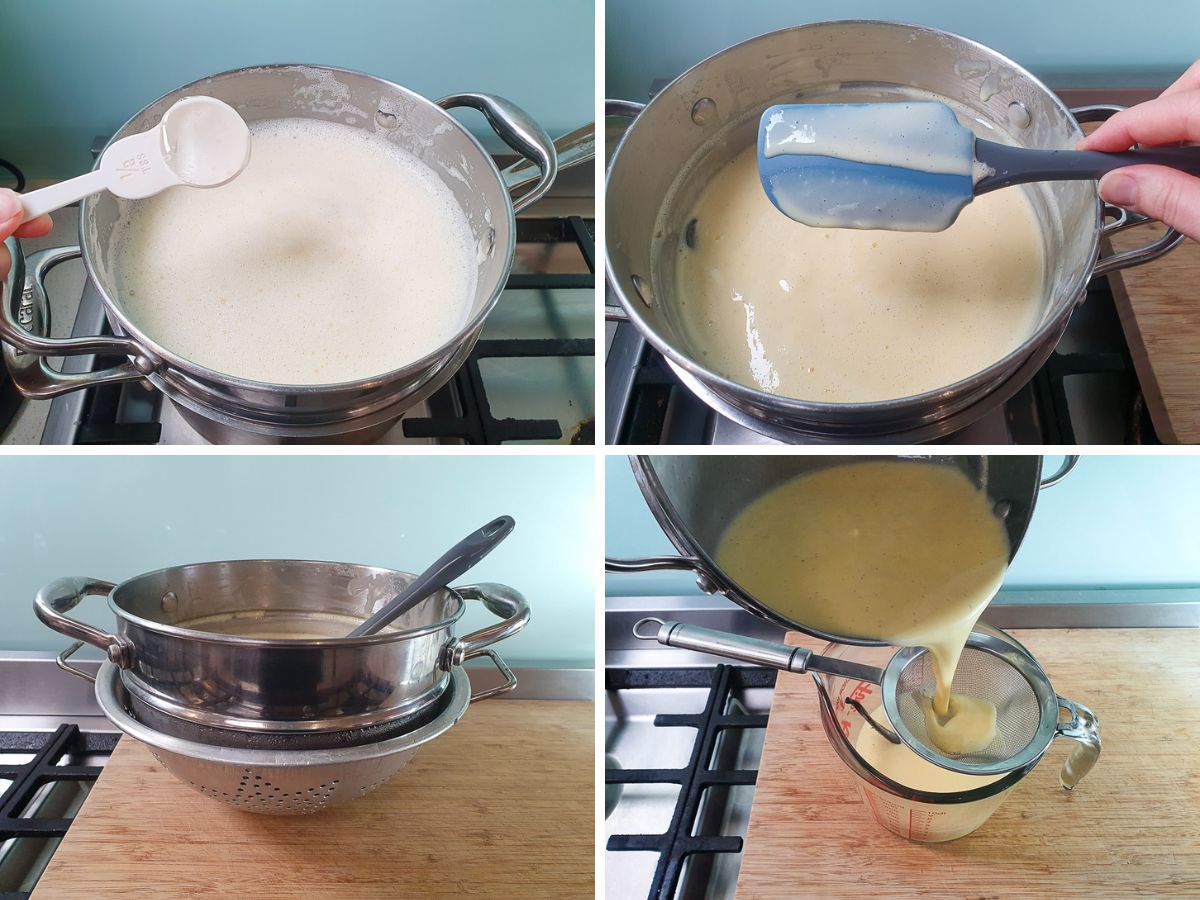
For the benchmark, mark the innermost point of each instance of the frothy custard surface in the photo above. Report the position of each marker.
(334, 256)
(843, 316)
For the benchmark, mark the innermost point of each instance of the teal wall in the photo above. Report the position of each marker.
(73, 69)
(1068, 44)
(1116, 521)
(113, 517)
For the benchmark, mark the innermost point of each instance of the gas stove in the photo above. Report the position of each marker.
(530, 378)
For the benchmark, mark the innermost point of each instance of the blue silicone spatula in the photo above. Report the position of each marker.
(908, 166)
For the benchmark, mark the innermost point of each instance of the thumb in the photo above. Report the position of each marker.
(1165, 194)
(10, 212)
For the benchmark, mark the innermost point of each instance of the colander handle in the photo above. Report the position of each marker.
(520, 131)
(25, 327)
(1124, 218)
(510, 680)
(61, 662)
(61, 596)
(1083, 727)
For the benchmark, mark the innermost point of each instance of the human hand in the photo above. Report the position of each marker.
(11, 224)
(1165, 194)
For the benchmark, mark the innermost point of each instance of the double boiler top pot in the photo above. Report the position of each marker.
(184, 642)
(225, 408)
(708, 115)
(694, 498)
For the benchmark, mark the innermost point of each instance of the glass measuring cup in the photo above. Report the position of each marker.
(911, 813)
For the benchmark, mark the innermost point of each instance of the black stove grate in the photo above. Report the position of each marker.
(678, 843)
(28, 778)
(460, 409)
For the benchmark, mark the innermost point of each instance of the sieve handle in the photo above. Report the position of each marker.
(772, 654)
(61, 596)
(1083, 727)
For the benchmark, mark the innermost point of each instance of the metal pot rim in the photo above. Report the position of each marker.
(212, 637)
(123, 325)
(793, 406)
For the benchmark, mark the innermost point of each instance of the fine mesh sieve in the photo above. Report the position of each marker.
(990, 669)
(993, 667)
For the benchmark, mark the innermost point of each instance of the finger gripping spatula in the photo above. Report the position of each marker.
(908, 166)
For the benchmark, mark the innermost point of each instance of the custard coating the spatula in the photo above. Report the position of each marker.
(909, 166)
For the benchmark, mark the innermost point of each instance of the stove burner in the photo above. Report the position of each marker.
(29, 778)
(678, 843)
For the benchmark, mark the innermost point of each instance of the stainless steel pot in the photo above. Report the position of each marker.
(709, 114)
(236, 410)
(175, 660)
(694, 498)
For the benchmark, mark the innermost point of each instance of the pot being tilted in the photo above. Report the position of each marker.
(694, 498)
(710, 114)
(225, 408)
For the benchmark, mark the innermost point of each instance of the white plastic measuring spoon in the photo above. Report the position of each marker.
(201, 142)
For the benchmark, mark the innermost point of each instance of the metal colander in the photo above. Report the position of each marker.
(279, 781)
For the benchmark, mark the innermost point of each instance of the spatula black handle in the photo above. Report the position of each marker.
(1020, 165)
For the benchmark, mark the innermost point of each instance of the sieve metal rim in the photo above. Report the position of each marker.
(109, 689)
(995, 643)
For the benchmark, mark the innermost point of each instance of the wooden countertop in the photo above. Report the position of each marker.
(502, 805)
(1131, 827)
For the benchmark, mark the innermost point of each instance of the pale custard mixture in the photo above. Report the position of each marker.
(900, 551)
(840, 315)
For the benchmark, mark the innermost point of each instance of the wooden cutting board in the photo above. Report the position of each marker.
(1159, 305)
(1132, 827)
(502, 805)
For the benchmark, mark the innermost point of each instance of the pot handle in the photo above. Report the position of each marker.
(61, 662)
(25, 324)
(572, 149)
(1084, 727)
(59, 597)
(623, 109)
(1065, 469)
(519, 130)
(498, 599)
(1124, 218)
(655, 564)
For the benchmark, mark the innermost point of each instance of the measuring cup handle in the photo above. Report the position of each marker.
(1084, 728)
